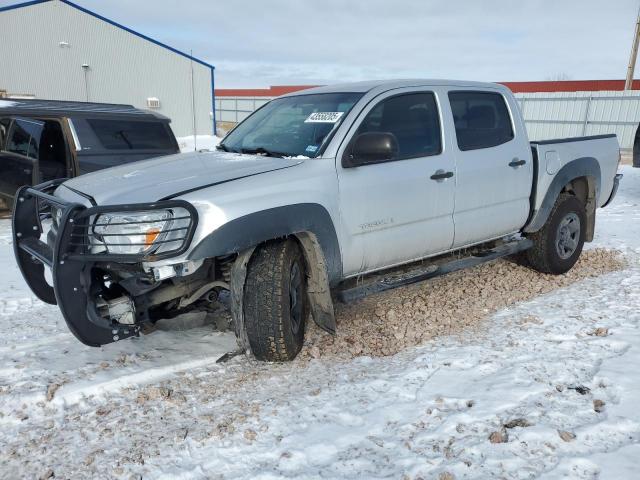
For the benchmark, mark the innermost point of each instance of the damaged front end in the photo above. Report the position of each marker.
(99, 259)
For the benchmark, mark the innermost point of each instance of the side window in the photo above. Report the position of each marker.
(24, 138)
(481, 119)
(412, 118)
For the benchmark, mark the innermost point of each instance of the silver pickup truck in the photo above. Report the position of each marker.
(330, 193)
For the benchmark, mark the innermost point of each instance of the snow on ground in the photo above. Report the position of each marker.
(200, 142)
(556, 378)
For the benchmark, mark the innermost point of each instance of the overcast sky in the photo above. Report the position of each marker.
(257, 43)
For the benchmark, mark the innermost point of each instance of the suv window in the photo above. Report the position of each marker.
(481, 119)
(131, 135)
(24, 138)
(412, 118)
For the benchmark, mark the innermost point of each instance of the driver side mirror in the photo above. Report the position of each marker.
(370, 148)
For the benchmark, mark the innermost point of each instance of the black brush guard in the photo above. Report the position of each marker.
(70, 258)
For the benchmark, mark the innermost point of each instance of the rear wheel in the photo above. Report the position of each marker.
(558, 244)
(275, 301)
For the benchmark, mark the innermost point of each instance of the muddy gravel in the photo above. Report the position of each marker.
(386, 323)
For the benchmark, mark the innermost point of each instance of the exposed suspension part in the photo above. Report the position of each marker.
(224, 266)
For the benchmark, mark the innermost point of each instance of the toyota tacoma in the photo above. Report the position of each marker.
(327, 194)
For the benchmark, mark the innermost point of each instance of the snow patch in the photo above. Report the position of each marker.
(200, 142)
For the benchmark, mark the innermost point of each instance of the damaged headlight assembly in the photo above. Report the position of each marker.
(139, 232)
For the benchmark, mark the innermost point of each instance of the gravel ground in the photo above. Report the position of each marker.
(390, 322)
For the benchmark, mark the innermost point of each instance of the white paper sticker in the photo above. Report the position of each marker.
(324, 117)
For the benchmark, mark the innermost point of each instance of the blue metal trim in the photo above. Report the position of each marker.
(115, 24)
(20, 5)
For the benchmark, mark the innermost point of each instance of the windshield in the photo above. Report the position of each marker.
(291, 126)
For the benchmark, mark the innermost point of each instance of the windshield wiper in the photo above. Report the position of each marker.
(262, 151)
(223, 147)
(126, 140)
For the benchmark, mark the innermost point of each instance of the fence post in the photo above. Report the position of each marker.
(586, 116)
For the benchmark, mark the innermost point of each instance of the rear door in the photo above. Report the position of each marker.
(394, 212)
(494, 166)
(19, 155)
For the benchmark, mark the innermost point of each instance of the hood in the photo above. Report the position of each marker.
(172, 175)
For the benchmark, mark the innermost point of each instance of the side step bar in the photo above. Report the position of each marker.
(421, 274)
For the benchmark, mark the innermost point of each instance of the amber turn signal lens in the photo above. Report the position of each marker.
(151, 236)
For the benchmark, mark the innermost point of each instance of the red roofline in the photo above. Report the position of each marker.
(272, 91)
(569, 86)
(516, 87)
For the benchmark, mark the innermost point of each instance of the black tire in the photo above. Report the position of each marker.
(275, 303)
(558, 244)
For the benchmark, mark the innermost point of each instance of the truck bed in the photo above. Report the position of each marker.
(551, 155)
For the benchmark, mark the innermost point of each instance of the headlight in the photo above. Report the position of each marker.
(143, 232)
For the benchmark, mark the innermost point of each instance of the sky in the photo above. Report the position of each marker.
(257, 43)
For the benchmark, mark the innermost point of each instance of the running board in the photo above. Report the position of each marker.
(421, 274)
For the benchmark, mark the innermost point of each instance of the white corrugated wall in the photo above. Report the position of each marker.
(123, 67)
(570, 114)
(236, 109)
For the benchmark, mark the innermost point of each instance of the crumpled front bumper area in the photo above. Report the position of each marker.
(70, 259)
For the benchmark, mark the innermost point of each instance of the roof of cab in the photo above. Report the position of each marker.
(33, 107)
(384, 85)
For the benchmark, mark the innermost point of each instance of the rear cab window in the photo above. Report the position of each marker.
(481, 119)
(414, 120)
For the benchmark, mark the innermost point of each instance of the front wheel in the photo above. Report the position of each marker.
(275, 301)
(558, 244)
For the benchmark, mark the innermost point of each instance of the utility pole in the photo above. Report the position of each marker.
(628, 84)
(193, 105)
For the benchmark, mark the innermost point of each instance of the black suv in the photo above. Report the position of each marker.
(42, 140)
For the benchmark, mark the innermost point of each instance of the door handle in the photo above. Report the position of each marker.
(441, 175)
(515, 163)
(27, 171)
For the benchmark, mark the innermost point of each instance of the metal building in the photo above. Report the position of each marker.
(55, 49)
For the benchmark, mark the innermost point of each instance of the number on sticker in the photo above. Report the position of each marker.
(324, 117)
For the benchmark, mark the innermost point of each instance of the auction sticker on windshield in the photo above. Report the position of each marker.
(324, 117)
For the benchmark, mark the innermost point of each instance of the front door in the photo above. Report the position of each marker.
(19, 155)
(394, 212)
